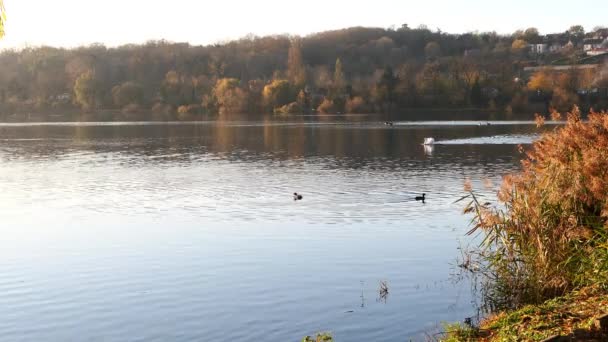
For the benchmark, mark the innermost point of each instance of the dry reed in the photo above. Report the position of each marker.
(548, 235)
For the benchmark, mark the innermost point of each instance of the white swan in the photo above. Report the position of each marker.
(429, 141)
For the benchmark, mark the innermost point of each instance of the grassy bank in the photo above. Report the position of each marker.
(575, 316)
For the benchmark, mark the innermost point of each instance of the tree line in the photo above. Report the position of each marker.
(354, 70)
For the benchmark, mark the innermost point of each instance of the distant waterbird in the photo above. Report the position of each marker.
(421, 198)
(428, 141)
(388, 123)
(296, 196)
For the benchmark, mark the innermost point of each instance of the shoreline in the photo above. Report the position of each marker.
(410, 114)
(580, 315)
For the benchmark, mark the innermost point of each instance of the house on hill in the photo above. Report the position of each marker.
(601, 33)
(596, 46)
(592, 44)
(539, 49)
(558, 42)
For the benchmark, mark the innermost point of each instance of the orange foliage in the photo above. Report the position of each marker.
(541, 80)
(556, 209)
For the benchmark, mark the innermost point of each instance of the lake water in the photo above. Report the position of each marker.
(188, 232)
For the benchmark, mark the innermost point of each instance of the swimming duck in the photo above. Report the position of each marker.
(420, 198)
(296, 196)
(429, 141)
(388, 123)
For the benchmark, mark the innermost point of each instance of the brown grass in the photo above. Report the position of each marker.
(549, 234)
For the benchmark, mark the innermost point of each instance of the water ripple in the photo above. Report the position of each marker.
(180, 231)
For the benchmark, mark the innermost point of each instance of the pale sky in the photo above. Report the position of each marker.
(70, 23)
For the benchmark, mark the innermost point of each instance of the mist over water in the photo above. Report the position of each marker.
(189, 231)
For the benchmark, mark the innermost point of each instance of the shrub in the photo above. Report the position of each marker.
(321, 337)
(292, 108)
(162, 112)
(326, 107)
(356, 105)
(550, 237)
(189, 112)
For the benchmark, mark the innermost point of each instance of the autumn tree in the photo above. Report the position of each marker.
(464, 74)
(178, 89)
(386, 87)
(296, 71)
(76, 66)
(562, 99)
(303, 100)
(255, 102)
(577, 32)
(432, 50)
(127, 93)
(277, 94)
(322, 77)
(531, 34)
(49, 79)
(541, 81)
(567, 85)
(406, 91)
(519, 45)
(327, 107)
(339, 83)
(431, 83)
(356, 105)
(231, 99)
(518, 34)
(86, 91)
(429, 70)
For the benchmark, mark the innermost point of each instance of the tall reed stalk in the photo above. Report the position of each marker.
(548, 234)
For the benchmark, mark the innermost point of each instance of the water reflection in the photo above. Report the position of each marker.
(428, 149)
(113, 228)
(287, 141)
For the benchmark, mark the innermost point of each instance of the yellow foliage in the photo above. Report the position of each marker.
(356, 105)
(276, 94)
(326, 107)
(541, 80)
(563, 99)
(229, 95)
(519, 44)
(2, 18)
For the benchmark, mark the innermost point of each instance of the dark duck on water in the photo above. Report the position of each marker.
(296, 196)
(421, 198)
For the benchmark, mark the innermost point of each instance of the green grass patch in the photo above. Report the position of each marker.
(574, 315)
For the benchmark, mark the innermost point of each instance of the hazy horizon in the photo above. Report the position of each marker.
(72, 23)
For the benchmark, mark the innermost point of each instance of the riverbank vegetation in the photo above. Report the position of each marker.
(354, 70)
(547, 239)
(320, 337)
(578, 315)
